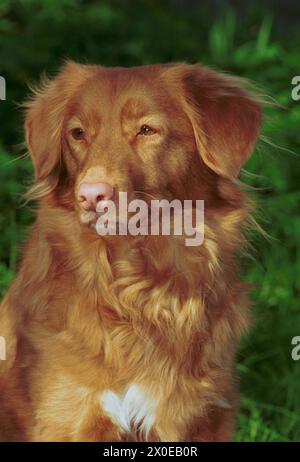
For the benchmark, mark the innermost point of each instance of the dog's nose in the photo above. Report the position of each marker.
(90, 194)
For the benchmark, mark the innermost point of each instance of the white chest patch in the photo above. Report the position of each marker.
(133, 411)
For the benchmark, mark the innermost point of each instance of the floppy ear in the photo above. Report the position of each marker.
(225, 118)
(45, 117)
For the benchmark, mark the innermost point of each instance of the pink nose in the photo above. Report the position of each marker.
(90, 194)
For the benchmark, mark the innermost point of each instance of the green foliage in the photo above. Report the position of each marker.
(37, 36)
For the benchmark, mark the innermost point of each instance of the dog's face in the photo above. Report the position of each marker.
(163, 131)
(125, 133)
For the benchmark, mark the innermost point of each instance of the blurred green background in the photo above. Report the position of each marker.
(258, 40)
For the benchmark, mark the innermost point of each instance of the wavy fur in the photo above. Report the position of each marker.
(88, 315)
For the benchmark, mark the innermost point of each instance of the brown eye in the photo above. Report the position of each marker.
(145, 130)
(78, 134)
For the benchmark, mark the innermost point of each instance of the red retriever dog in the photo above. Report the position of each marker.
(113, 338)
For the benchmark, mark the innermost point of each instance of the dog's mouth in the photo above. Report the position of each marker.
(91, 219)
(137, 219)
(88, 218)
(112, 225)
(102, 225)
(111, 216)
(132, 216)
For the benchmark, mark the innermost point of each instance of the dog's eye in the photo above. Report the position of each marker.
(78, 133)
(146, 130)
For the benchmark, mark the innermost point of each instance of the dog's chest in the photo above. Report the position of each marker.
(134, 412)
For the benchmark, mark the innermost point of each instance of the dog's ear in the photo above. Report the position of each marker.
(225, 118)
(45, 117)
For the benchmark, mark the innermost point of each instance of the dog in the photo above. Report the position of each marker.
(130, 338)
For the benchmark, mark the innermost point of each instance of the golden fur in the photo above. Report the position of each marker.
(87, 313)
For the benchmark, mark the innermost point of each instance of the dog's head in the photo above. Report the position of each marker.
(161, 131)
